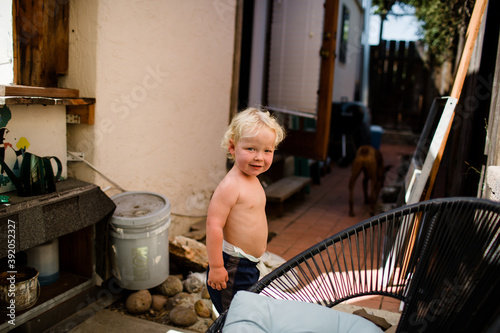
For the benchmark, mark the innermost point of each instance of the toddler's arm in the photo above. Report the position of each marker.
(223, 200)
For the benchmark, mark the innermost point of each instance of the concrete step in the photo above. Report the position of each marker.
(111, 321)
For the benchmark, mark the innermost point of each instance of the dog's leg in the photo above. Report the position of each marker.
(374, 196)
(365, 189)
(356, 170)
(377, 176)
(372, 178)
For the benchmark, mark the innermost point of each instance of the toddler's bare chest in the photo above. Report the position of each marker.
(253, 198)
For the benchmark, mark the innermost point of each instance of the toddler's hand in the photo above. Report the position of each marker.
(217, 278)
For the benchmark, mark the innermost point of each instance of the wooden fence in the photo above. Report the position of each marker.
(399, 86)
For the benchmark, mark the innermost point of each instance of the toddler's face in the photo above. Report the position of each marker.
(254, 155)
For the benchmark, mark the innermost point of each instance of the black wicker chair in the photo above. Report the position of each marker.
(441, 258)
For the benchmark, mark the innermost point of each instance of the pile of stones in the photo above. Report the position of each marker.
(182, 300)
(176, 302)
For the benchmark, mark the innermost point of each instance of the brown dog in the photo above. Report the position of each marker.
(369, 161)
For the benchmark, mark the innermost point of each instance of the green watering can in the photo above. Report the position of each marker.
(36, 175)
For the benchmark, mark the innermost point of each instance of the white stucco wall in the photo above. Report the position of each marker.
(347, 74)
(161, 74)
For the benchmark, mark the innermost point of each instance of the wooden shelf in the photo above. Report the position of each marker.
(30, 91)
(80, 109)
(20, 100)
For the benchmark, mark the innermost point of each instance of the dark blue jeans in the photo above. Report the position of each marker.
(242, 274)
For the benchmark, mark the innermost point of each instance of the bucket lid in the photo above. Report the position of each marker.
(139, 209)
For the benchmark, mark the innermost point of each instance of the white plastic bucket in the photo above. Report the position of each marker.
(139, 239)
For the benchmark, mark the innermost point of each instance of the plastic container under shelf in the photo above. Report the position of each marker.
(45, 258)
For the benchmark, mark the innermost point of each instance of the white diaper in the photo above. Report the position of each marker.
(237, 252)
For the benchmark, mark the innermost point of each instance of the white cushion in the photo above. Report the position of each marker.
(250, 312)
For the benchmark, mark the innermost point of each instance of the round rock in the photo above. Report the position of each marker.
(171, 286)
(139, 302)
(204, 293)
(182, 316)
(201, 309)
(158, 302)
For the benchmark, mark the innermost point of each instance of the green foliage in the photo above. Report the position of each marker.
(383, 6)
(444, 22)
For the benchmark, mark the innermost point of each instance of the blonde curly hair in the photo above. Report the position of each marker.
(247, 123)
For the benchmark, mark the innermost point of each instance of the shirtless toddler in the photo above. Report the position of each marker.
(236, 221)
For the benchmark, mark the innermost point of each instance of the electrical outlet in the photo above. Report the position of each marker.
(73, 158)
(72, 119)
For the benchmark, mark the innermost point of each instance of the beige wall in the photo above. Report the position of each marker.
(161, 74)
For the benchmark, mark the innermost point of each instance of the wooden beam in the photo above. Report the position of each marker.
(471, 37)
(326, 78)
(238, 28)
